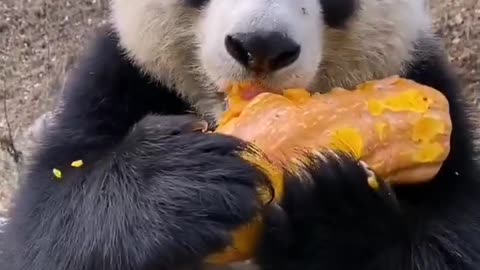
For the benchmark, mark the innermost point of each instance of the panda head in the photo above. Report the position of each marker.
(199, 46)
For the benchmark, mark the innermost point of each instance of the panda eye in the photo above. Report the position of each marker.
(337, 12)
(196, 3)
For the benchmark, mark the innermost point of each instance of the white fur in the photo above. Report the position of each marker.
(300, 20)
(376, 43)
(159, 36)
(185, 46)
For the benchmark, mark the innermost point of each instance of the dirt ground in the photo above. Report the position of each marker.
(39, 40)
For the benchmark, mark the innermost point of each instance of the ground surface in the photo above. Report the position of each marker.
(39, 40)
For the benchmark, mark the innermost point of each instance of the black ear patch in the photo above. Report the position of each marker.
(195, 3)
(336, 13)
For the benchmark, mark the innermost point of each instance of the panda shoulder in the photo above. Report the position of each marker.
(104, 74)
(430, 66)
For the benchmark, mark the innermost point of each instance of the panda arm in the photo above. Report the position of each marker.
(153, 192)
(338, 222)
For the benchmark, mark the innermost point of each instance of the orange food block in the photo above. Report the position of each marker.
(400, 128)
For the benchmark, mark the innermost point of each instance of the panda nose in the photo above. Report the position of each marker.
(262, 51)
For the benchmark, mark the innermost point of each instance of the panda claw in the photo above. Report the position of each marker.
(200, 126)
(381, 187)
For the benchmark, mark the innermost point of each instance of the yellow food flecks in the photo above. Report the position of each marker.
(235, 102)
(427, 128)
(348, 140)
(235, 107)
(274, 174)
(373, 183)
(297, 94)
(382, 130)
(424, 131)
(410, 100)
(429, 152)
(368, 87)
(371, 177)
(245, 239)
(77, 163)
(376, 107)
(57, 173)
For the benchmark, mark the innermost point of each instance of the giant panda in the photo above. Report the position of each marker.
(155, 192)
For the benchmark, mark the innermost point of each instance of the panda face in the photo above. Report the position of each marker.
(199, 46)
(278, 42)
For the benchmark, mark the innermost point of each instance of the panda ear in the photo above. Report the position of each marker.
(336, 13)
(195, 3)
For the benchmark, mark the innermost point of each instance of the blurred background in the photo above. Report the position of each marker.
(40, 39)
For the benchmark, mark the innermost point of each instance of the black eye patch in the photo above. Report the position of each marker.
(337, 12)
(195, 3)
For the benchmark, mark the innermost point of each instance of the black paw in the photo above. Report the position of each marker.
(200, 185)
(338, 212)
(337, 184)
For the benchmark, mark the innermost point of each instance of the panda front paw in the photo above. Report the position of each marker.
(338, 210)
(338, 185)
(202, 188)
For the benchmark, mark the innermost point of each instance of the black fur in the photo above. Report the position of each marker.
(196, 3)
(336, 13)
(340, 223)
(155, 193)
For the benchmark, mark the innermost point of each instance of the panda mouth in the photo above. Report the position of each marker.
(249, 90)
(252, 92)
